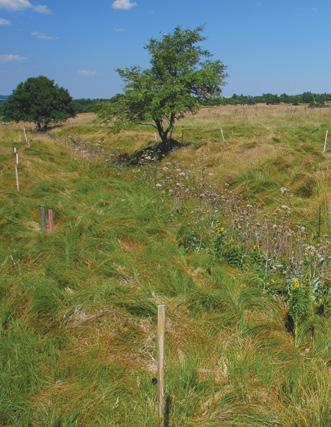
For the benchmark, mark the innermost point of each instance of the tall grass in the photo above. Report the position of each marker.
(78, 306)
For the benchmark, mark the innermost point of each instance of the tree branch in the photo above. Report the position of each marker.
(147, 124)
(171, 122)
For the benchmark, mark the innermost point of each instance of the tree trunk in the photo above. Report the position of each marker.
(42, 126)
(162, 133)
(165, 135)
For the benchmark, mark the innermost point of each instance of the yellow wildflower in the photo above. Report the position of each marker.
(296, 284)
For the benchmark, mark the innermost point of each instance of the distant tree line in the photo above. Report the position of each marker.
(310, 98)
(87, 105)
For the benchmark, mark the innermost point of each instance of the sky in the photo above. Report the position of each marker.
(267, 45)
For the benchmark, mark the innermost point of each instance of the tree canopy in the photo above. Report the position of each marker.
(39, 100)
(181, 77)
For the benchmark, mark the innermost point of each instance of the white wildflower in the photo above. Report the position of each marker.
(283, 190)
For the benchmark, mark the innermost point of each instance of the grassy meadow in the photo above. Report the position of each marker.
(231, 235)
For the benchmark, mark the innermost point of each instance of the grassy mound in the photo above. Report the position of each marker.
(241, 266)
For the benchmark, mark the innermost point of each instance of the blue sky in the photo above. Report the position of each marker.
(268, 45)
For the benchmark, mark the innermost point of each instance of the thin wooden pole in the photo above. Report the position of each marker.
(325, 141)
(26, 137)
(16, 169)
(222, 135)
(160, 379)
(319, 222)
(50, 221)
(43, 218)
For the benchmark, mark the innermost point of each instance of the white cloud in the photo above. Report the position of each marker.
(17, 5)
(119, 30)
(4, 22)
(42, 36)
(87, 73)
(42, 8)
(5, 59)
(124, 4)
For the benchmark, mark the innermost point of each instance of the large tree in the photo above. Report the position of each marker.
(181, 77)
(39, 100)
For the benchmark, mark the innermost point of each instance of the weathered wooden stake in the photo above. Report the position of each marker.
(26, 137)
(160, 373)
(325, 141)
(50, 221)
(43, 218)
(16, 169)
(319, 222)
(222, 135)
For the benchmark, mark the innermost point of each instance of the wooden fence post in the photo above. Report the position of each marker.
(50, 221)
(43, 218)
(160, 373)
(26, 137)
(325, 141)
(222, 135)
(16, 169)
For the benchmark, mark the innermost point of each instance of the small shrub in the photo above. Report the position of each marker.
(190, 240)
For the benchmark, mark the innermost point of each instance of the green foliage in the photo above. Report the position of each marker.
(300, 305)
(181, 77)
(39, 100)
(88, 105)
(312, 99)
(322, 295)
(189, 239)
(229, 251)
